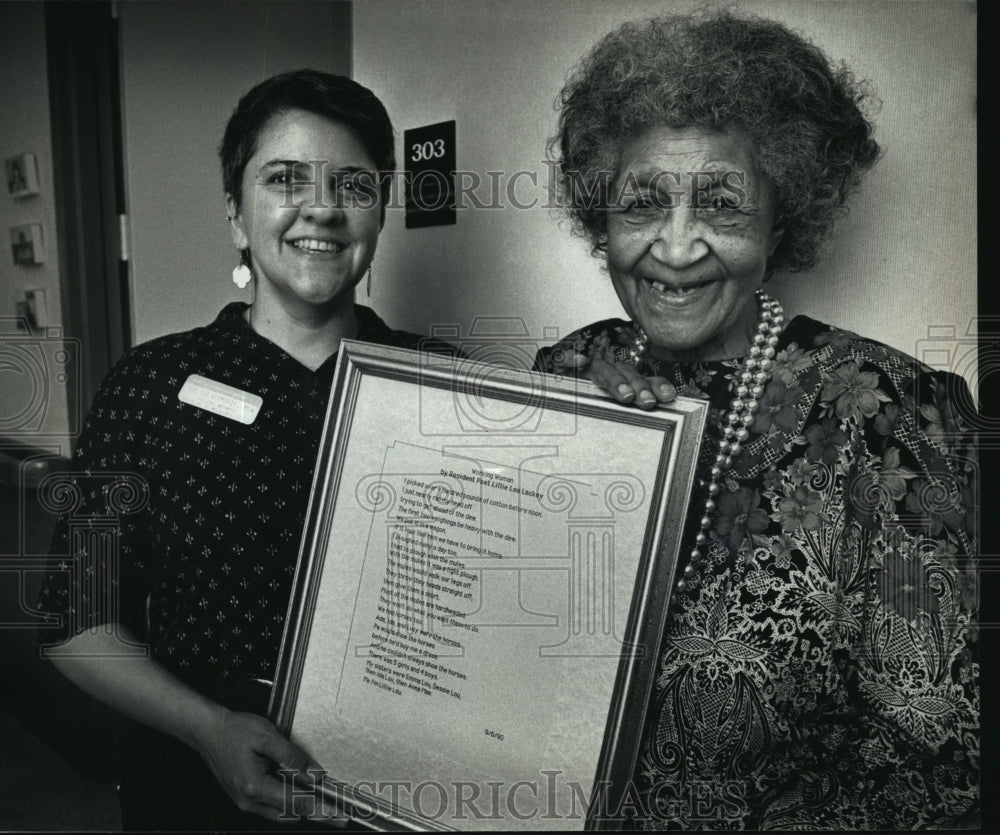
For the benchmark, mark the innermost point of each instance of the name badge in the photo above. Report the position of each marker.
(220, 399)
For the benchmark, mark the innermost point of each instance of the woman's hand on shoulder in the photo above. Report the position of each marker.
(626, 385)
(244, 752)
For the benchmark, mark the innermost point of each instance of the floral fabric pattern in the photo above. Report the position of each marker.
(821, 670)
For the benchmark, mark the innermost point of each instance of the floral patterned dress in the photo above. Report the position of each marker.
(821, 671)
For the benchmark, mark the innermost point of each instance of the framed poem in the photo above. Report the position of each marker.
(482, 584)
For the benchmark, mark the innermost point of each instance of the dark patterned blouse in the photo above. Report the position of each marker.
(183, 524)
(821, 672)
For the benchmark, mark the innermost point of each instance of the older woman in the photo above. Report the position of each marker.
(216, 431)
(818, 668)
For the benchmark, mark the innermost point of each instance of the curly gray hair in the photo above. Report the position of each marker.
(804, 116)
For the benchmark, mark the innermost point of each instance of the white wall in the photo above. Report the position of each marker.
(902, 268)
(184, 67)
(32, 382)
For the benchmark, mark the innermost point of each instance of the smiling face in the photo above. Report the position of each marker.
(688, 240)
(308, 214)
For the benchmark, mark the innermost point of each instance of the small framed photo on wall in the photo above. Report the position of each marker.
(22, 175)
(26, 245)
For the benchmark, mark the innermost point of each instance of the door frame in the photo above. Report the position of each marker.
(82, 43)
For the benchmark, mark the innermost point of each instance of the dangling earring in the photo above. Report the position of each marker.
(241, 273)
(368, 288)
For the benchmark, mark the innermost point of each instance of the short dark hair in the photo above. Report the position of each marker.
(334, 96)
(805, 118)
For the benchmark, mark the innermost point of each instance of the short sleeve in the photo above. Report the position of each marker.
(100, 569)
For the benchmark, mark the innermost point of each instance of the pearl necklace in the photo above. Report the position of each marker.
(749, 387)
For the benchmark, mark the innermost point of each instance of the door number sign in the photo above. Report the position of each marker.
(430, 175)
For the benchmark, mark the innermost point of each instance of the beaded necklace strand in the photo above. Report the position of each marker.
(748, 387)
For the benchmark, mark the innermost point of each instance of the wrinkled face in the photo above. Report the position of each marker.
(690, 230)
(309, 212)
